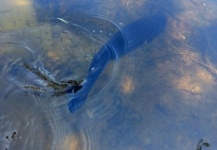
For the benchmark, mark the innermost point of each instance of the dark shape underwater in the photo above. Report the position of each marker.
(129, 38)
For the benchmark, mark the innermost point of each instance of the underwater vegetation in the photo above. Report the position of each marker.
(60, 88)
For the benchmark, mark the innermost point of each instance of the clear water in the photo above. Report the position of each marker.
(160, 96)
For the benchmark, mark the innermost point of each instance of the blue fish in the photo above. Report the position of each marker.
(136, 33)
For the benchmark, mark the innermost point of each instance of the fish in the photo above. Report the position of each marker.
(63, 20)
(127, 39)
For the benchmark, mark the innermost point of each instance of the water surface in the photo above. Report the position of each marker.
(159, 96)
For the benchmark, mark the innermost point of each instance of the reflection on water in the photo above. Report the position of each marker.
(161, 96)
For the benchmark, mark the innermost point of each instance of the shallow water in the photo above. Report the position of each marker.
(160, 96)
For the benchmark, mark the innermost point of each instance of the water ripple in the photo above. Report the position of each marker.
(29, 62)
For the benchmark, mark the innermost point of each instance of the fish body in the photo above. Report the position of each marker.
(124, 41)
